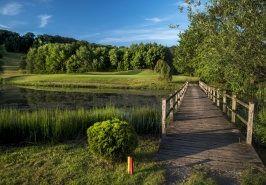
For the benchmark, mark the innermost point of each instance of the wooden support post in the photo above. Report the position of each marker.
(250, 122)
(218, 98)
(224, 101)
(179, 99)
(213, 95)
(163, 118)
(171, 107)
(181, 95)
(233, 117)
(176, 101)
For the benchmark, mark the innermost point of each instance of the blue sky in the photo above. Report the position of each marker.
(116, 22)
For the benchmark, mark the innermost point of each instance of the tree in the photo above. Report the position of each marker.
(27, 42)
(186, 53)
(101, 60)
(114, 58)
(153, 53)
(164, 70)
(232, 49)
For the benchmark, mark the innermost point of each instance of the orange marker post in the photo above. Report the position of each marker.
(130, 165)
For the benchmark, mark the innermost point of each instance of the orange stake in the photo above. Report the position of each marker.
(130, 165)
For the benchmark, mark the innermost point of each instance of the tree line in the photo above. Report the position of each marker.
(15, 42)
(225, 43)
(81, 56)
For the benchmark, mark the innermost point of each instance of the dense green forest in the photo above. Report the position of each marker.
(83, 57)
(225, 43)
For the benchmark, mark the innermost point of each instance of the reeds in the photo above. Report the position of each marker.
(47, 125)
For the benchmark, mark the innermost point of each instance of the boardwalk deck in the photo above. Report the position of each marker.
(201, 135)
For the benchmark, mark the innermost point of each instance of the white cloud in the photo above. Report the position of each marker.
(155, 20)
(4, 26)
(162, 35)
(11, 9)
(44, 20)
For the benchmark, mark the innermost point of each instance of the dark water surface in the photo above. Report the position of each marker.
(26, 98)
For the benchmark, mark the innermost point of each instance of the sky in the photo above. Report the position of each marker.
(114, 22)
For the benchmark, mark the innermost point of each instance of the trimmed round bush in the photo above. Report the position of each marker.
(112, 139)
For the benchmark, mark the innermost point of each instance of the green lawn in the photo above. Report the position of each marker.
(145, 79)
(72, 163)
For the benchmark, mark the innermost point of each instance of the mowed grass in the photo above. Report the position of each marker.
(73, 163)
(135, 79)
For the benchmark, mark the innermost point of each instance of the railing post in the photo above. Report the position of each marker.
(171, 107)
(218, 98)
(224, 101)
(179, 99)
(250, 122)
(176, 101)
(213, 95)
(233, 118)
(163, 118)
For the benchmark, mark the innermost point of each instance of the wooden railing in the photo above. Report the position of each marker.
(219, 97)
(171, 105)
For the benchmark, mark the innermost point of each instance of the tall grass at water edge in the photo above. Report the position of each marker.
(46, 125)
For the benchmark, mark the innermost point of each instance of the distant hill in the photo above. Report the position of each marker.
(12, 60)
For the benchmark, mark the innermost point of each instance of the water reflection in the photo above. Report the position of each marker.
(24, 98)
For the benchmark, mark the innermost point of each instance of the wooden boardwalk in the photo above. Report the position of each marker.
(201, 135)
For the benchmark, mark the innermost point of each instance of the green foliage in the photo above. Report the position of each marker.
(112, 139)
(254, 175)
(225, 43)
(164, 70)
(260, 129)
(79, 57)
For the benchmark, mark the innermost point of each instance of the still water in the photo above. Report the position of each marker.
(26, 98)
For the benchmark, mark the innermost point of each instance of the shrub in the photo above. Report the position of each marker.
(112, 139)
(260, 129)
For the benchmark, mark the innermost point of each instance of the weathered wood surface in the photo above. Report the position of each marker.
(201, 135)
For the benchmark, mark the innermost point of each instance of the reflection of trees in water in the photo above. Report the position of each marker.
(11, 97)
(35, 99)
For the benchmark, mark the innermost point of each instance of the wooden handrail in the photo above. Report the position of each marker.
(214, 94)
(171, 105)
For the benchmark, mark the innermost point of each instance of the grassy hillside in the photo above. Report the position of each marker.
(11, 61)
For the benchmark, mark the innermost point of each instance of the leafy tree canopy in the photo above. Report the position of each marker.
(225, 43)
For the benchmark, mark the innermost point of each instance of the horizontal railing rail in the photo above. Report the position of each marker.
(217, 95)
(171, 105)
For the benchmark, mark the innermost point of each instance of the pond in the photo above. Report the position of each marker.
(32, 99)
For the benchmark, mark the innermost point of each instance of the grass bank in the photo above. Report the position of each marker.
(72, 163)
